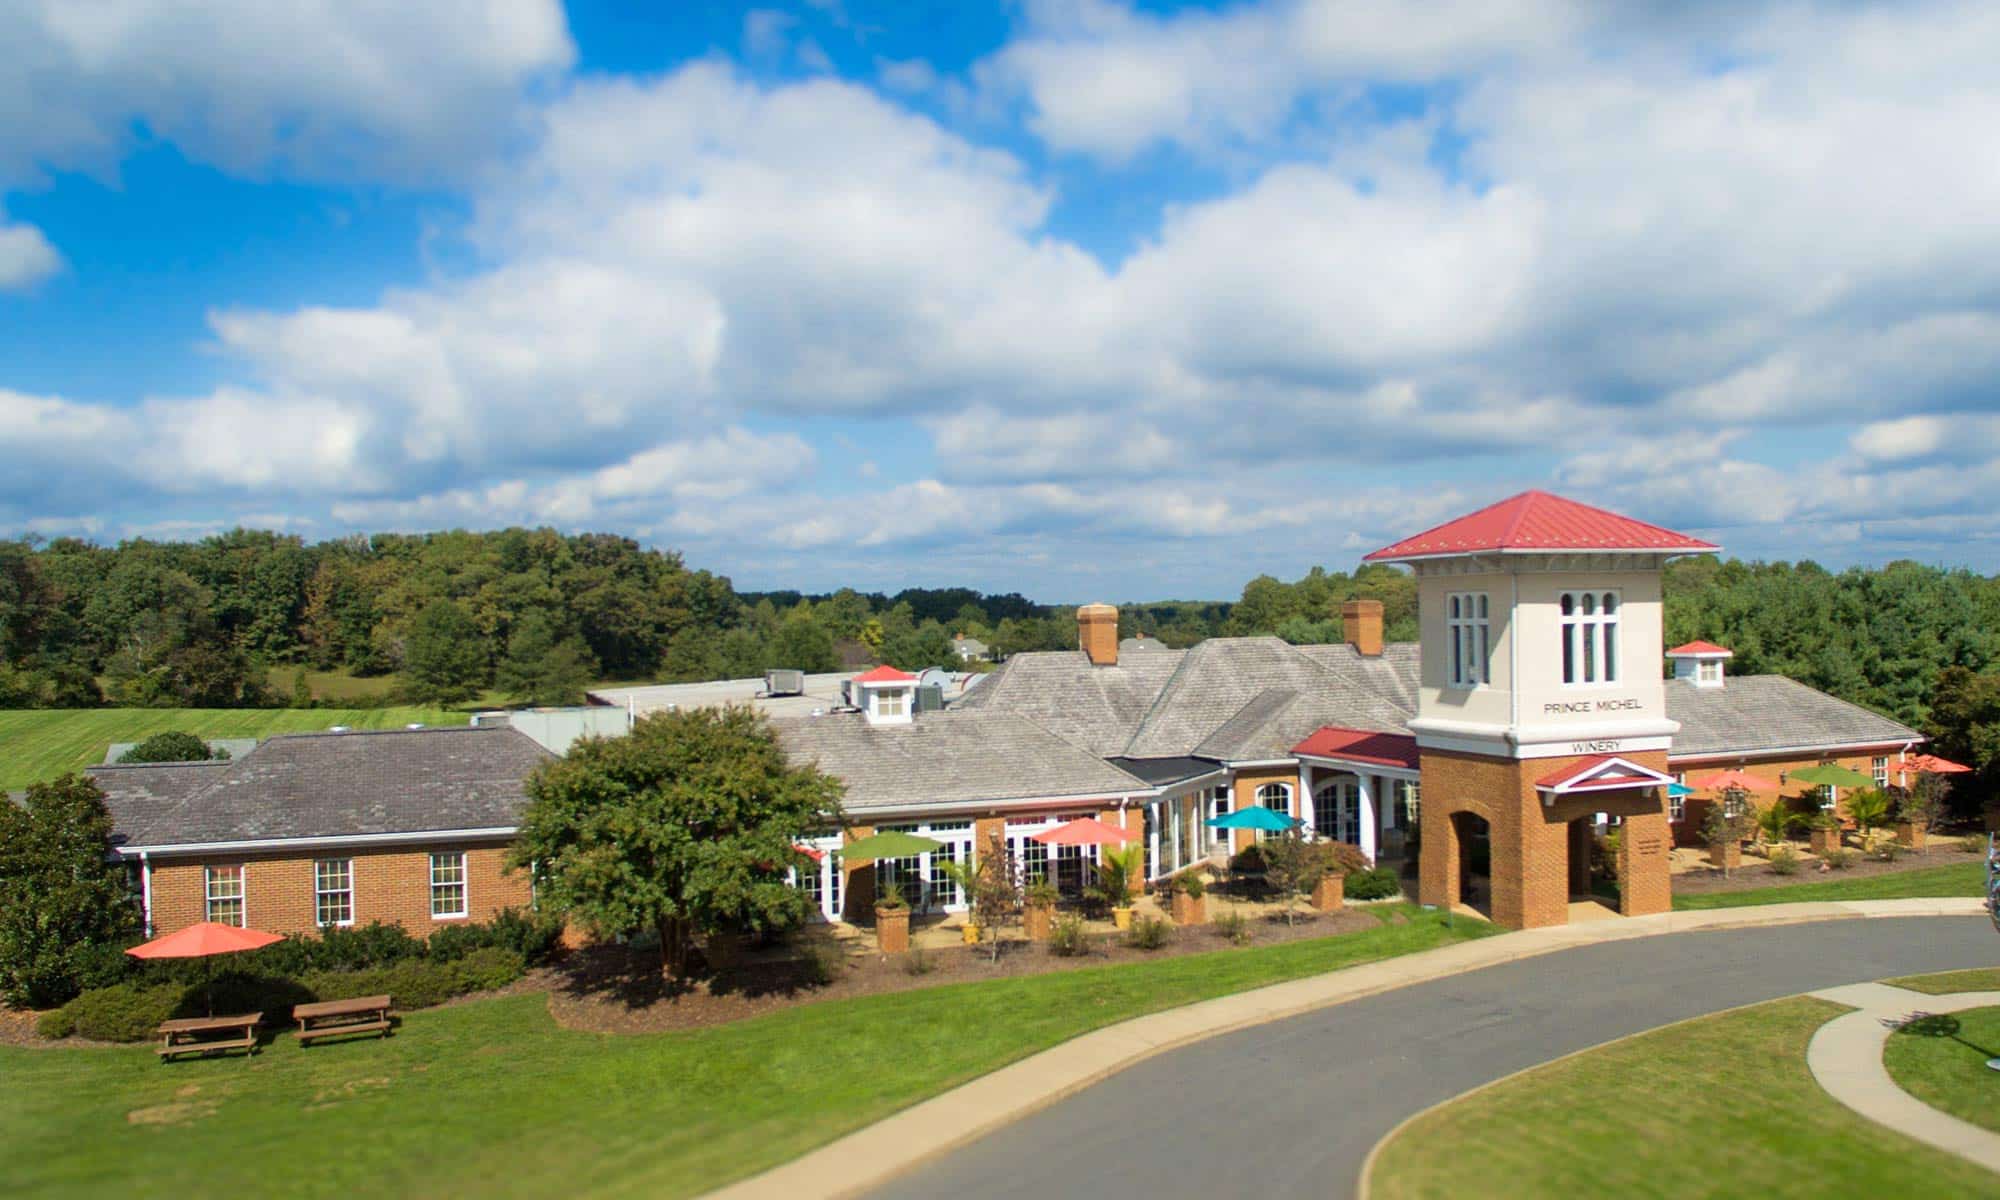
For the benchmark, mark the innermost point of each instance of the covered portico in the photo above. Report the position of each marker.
(1360, 787)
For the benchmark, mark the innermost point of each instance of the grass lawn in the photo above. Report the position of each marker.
(39, 744)
(494, 1099)
(1719, 1106)
(1949, 1072)
(1978, 979)
(1959, 879)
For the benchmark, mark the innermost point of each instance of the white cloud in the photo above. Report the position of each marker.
(26, 257)
(321, 87)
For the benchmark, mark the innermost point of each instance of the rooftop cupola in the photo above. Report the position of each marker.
(886, 696)
(1700, 663)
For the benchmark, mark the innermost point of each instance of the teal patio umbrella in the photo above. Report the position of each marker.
(1679, 791)
(1254, 817)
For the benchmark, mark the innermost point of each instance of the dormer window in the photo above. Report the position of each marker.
(892, 702)
(1699, 663)
(1467, 624)
(1589, 637)
(885, 695)
(1708, 673)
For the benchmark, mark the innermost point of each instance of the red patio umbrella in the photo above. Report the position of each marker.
(1734, 780)
(205, 940)
(1084, 831)
(1931, 764)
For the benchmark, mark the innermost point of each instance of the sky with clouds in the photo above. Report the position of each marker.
(1079, 298)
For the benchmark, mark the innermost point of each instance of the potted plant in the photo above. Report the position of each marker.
(892, 919)
(1190, 899)
(1824, 834)
(1117, 879)
(1869, 809)
(1038, 913)
(1919, 812)
(1724, 832)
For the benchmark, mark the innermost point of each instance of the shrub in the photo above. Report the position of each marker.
(417, 983)
(1842, 858)
(536, 938)
(1067, 938)
(126, 1012)
(918, 960)
(1191, 885)
(170, 747)
(1785, 861)
(1231, 925)
(1149, 933)
(821, 964)
(1249, 860)
(1042, 893)
(1887, 849)
(244, 992)
(1973, 843)
(1375, 883)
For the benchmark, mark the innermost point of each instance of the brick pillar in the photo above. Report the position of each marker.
(1645, 884)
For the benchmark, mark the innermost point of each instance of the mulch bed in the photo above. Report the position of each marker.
(1756, 873)
(604, 990)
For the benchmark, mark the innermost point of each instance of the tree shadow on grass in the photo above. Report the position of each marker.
(1935, 1025)
(632, 977)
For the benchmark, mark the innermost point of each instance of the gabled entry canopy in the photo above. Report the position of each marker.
(1599, 773)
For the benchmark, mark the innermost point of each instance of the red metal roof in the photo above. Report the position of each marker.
(1536, 521)
(885, 674)
(1360, 745)
(1600, 773)
(1697, 648)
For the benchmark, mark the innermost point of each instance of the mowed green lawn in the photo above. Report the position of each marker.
(1721, 1106)
(1964, 878)
(39, 744)
(493, 1099)
(1950, 1072)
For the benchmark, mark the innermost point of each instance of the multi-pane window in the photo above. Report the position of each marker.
(225, 894)
(1471, 639)
(1676, 803)
(892, 702)
(1589, 637)
(448, 884)
(1708, 671)
(333, 891)
(1277, 797)
(1410, 799)
(1881, 772)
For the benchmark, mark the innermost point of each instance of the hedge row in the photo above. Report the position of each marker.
(130, 1012)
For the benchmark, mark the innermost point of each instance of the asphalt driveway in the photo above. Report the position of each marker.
(1292, 1108)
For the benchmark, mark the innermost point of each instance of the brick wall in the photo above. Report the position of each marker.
(1243, 794)
(392, 886)
(1531, 843)
(1687, 830)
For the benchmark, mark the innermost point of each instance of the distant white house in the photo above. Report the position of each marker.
(970, 649)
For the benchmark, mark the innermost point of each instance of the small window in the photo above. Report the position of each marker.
(1677, 805)
(1708, 671)
(333, 891)
(1733, 804)
(1881, 771)
(224, 887)
(448, 885)
(1468, 626)
(1277, 797)
(1589, 637)
(891, 702)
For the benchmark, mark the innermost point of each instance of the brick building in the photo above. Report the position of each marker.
(338, 828)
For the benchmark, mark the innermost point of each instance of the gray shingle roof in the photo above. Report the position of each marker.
(955, 756)
(319, 785)
(1753, 713)
(1206, 708)
(1095, 707)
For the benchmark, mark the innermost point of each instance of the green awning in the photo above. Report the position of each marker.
(888, 845)
(1832, 775)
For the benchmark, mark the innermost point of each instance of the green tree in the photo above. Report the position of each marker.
(541, 669)
(444, 657)
(171, 746)
(63, 903)
(801, 644)
(686, 826)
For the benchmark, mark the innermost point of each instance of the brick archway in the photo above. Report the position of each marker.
(1452, 834)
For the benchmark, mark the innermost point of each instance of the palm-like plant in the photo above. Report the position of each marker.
(1868, 809)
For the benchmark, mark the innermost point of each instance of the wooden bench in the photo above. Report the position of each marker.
(331, 1018)
(186, 1036)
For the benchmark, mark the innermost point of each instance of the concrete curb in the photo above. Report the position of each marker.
(868, 1157)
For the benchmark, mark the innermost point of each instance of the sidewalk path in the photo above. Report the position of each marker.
(1320, 1088)
(1846, 1058)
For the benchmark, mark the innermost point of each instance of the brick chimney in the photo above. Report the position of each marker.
(1361, 624)
(1097, 634)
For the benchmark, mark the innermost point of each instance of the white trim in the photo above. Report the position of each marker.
(347, 891)
(998, 808)
(146, 892)
(1247, 763)
(1824, 751)
(1588, 780)
(358, 839)
(464, 885)
(1518, 551)
(1356, 765)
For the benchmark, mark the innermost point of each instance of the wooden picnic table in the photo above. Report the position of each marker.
(330, 1018)
(195, 1035)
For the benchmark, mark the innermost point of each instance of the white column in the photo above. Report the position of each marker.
(1308, 780)
(1366, 783)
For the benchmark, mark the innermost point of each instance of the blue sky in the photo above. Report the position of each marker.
(1078, 298)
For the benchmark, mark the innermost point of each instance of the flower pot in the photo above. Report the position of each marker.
(1911, 835)
(970, 933)
(1037, 920)
(1122, 917)
(1727, 855)
(1190, 910)
(1330, 893)
(1825, 841)
(892, 930)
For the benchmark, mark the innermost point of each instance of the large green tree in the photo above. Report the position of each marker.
(444, 657)
(63, 904)
(684, 827)
(541, 668)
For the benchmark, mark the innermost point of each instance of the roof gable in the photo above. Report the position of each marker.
(1538, 522)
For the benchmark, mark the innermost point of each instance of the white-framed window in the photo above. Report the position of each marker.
(448, 884)
(333, 891)
(1466, 623)
(1880, 769)
(1337, 811)
(892, 702)
(1277, 797)
(1708, 671)
(223, 888)
(1677, 805)
(1734, 804)
(1589, 637)
(1220, 800)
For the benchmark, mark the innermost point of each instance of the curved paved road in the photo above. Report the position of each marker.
(1292, 1108)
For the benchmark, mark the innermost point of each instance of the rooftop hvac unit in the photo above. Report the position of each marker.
(784, 683)
(930, 698)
